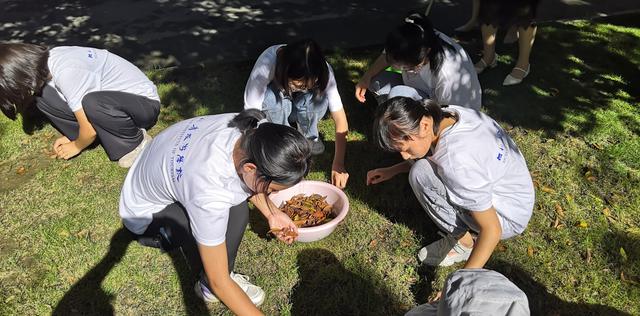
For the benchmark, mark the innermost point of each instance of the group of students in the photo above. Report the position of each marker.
(188, 188)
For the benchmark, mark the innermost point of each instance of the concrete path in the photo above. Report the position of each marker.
(158, 33)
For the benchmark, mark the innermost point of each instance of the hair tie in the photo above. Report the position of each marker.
(410, 20)
(264, 120)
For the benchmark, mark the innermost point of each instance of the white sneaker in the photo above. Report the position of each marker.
(254, 292)
(127, 160)
(444, 252)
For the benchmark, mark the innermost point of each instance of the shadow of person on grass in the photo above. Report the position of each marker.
(541, 302)
(326, 287)
(86, 297)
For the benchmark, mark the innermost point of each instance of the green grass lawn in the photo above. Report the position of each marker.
(575, 118)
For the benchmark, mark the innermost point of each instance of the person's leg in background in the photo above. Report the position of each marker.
(473, 20)
(307, 111)
(121, 120)
(276, 106)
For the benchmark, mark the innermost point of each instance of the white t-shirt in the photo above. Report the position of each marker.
(481, 166)
(190, 162)
(263, 73)
(77, 71)
(456, 82)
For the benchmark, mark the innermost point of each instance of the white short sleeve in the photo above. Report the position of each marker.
(208, 219)
(468, 187)
(260, 77)
(335, 102)
(74, 84)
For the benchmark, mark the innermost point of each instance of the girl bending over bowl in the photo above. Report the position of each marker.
(189, 190)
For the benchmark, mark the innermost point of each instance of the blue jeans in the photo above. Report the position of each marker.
(303, 108)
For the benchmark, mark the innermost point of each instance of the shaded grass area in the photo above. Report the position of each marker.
(575, 118)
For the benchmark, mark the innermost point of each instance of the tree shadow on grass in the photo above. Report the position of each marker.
(623, 254)
(86, 297)
(326, 287)
(541, 302)
(578, 69)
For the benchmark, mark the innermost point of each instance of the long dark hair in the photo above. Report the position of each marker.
(302, 60)
(415, 41)
(280, 153)
(398, 118)
(23, 73)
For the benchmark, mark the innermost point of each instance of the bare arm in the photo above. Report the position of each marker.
(86, 136)
(339, 174)
(488, 237)
(361, 87)
(214, 259)
(276, 218)
(376, 176)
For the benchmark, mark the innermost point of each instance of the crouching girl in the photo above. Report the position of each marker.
(189, 190)
(86, 93)
(466, 172)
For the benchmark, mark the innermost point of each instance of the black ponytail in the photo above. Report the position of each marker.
(414, 41)
(281, 154)
(398, 118)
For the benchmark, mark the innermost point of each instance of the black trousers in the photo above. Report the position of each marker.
(170, 230)
(116, 116)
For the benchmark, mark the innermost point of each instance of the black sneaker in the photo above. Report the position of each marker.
(317, 146)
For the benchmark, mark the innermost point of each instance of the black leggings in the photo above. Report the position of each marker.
(170, 230)
(116, 116)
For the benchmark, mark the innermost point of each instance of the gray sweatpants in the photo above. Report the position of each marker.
(382, 83)
(116, 116)
(432, 195)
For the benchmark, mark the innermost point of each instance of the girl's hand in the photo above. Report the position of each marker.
(283, 227)
(435, 298)
(65, 148)
(376, 176)
(59, 142)
(339, 176)
(361, 88)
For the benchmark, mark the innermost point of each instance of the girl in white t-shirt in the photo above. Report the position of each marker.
(464, 169)
(189, 190)
(430, 61)
(86, 93)
(294, 83)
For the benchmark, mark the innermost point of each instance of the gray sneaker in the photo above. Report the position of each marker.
(127, 160)
(254, 292)
(444, 252)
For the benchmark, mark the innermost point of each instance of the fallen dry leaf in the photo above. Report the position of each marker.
(373, 243)
(588, 255)
(582, 224)
(547, 189)
(21, 170)
(556, 223)
(530, 251)
(559, 210)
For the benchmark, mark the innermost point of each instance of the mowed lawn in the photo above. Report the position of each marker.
(575, 118)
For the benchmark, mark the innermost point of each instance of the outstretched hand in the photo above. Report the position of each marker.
(283, 227)
(361, 88)
(376, 176)
(65, 148)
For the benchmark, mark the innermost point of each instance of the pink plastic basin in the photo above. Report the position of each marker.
(335, 197)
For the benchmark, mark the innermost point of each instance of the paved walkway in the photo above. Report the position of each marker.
(157, 33)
